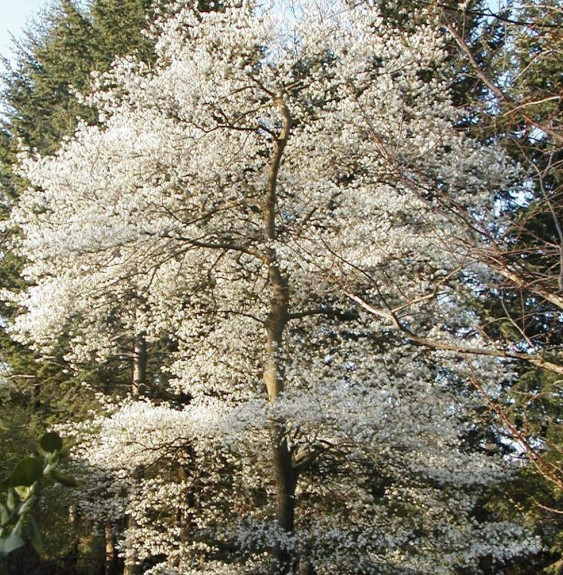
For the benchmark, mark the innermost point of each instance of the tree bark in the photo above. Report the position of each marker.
(305, 568)
(110, 567)
(130, 568)
(139, 383)
(283, 471)
(138, 388)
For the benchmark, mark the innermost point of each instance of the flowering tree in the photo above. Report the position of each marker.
(274, 163)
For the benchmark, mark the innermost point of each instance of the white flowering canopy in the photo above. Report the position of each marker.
(296, 148)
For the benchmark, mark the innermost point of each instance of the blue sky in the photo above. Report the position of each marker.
(13, 16)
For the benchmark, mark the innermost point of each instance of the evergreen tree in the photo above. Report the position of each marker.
(50, 65)
(510, 58)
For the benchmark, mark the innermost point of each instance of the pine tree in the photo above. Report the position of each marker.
(51, 64)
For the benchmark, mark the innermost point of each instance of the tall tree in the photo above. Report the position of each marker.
(273, 164)
(522, 111)
(52, 63)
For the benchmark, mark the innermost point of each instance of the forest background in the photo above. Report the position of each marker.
(464, 337)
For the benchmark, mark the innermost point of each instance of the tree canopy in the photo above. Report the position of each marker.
(288, 198)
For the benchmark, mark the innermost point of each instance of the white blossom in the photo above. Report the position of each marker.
(153, 223)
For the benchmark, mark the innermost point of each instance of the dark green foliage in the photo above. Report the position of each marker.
(118, 29)
(41, 107)
(52, 62)
(55, 60)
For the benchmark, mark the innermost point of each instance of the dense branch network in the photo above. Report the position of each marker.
(234, 200)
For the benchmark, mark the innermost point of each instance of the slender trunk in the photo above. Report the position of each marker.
(138, 387)
(283, 472)
(285, 496)
(97, 555)
(305, 568)
(36, 395)
(182, 524)
(130, 568)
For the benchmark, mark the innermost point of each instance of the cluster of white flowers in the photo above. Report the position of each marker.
(153, 223)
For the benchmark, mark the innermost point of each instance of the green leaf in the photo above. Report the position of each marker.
(36, 538)
(10, 543)
(51, 442)
(22, 491)
(27, 472)
(64, 479)
(27, 505)
(18, 527)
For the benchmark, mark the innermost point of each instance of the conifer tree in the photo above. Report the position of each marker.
(51, 64)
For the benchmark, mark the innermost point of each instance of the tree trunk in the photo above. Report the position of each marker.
(305, 567)
(283, 472)
(139, 384)
(110, 551)
(138, 388)
(285, 497)
(130, 568)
